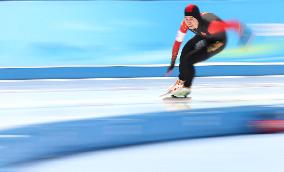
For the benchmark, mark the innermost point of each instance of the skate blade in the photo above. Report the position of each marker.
(183, 93)
(167, 93)
(176, 99)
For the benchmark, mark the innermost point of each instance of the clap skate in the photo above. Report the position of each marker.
(178, 90)
(182, 92)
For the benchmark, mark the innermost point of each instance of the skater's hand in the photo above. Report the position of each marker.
(170, 70)
(171, 67)
(246, 36)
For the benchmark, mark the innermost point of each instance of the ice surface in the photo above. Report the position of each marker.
(39, 101)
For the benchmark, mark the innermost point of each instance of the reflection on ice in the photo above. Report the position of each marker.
(173, 104)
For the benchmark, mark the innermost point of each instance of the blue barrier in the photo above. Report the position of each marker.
(43, 141)
(132, 71)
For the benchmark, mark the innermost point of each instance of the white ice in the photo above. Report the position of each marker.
(26, 102)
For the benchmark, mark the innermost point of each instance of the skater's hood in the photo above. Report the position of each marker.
(192, 10)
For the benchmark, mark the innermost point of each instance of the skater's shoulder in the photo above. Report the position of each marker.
(208, 16)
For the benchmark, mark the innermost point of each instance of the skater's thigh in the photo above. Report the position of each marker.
(191, 45)
(204, 53)
(195, 56)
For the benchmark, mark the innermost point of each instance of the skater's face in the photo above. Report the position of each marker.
(191, 22)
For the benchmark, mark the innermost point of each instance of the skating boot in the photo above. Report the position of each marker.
(182, 92)
(178, 90)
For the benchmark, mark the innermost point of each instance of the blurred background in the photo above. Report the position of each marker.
(88, 33)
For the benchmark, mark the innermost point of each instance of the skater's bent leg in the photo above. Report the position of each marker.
(189, 80)
(184, 70)
(187, 73)
(189, 47)
(186, 67)
(187, 61)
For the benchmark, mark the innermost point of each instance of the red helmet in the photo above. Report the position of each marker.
(192, 10)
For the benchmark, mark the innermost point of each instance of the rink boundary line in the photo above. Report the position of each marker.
(148, 65)
(137, 78)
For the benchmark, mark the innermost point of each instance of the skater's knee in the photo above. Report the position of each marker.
(188, 61)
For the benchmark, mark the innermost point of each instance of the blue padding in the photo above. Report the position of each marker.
(64, 138)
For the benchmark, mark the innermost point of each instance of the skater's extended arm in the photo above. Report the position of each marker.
(179, 38)
(243, 31)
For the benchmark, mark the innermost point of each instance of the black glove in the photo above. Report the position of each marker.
(170, 68)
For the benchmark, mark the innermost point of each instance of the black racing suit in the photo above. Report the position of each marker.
(201, 47)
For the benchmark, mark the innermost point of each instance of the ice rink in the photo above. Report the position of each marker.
(39, 101)
(27, 103)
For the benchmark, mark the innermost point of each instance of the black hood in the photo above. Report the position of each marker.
(192, 10)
